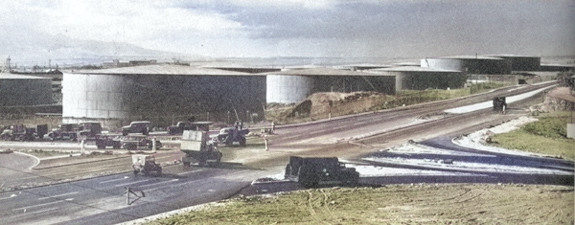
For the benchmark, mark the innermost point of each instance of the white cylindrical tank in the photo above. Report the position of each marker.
(16, 89)
(470, 64)
(92, 96)
(287, 88)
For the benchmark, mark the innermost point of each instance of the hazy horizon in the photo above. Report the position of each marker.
(64, 30)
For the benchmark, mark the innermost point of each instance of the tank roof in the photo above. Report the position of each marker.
(162, 69)
(322, 72)
(413, 69)
(471, 57)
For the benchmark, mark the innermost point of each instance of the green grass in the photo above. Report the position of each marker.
(546, 136)
(393, 204)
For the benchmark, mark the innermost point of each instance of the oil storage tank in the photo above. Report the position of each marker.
(24, 90)
(161, 93)
(522, 63)
(470, 64)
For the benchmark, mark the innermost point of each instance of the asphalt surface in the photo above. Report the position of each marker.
(104, 200)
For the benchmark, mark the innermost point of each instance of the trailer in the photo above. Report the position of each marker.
(197, 147)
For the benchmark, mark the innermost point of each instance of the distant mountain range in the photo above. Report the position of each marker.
(25, 49)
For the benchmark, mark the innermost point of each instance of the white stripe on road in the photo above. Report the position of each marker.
(124, 184)
(55, 196)
(40, 205)
(108, 181)
(168, 181)
(11, 196)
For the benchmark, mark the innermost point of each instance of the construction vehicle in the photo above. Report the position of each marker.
(145, 164)
(499, 104)
(138, 141)
(105, 140)
(89, 130)
(197, 147)
(313, 171)
(230, 135)
(142, 127)
(66, 131)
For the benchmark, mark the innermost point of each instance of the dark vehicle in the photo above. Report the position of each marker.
(145, 164)
(197, 147)
(142, 127)
(499, 104)
(136, 141)
(66, 131)
(23, 133)
(104, 140)
(312, 171)
(180, 127)
(89, 130)
(231, 135)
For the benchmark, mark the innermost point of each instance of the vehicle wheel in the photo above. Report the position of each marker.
(187, 164)
(136, 173)
(202, 163)
(160, 172)
(101, 146)
(243, 142)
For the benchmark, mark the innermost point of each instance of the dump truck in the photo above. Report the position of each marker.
(314, 171)
(197, 147)
(145, 164)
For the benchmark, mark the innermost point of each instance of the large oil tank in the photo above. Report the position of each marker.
(523, 63)
(24, 90)
(470, 64)
(288, 88)
(163, 94)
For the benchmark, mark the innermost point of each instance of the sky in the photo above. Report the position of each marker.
(287, 28)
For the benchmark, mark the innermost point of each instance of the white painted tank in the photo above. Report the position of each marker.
(287, 88)
(92, 96)
(17, 89)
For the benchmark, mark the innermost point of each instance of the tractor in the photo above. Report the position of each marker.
(145, 164)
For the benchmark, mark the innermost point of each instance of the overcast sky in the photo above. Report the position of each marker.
(355, 28)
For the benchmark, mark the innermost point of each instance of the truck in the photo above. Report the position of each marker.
(179, 127)
(23, 133)
(313, 171)
(89, 130)
(197, 147)
(65, 131)
(145, 164)
(499, 104)
(142, 127)
(139, 141)
(230, 135)
(105, 140)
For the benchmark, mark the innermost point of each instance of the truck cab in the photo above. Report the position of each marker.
(142, 127)
(313, 171)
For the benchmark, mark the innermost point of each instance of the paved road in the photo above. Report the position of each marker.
(103, 200)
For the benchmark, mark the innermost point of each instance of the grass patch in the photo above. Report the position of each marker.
(44, 153)
(546, 136)
(394, 204)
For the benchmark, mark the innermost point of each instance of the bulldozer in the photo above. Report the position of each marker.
(145, 164)
(198, 148)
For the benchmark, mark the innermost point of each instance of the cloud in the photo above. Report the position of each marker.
(302, 27)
